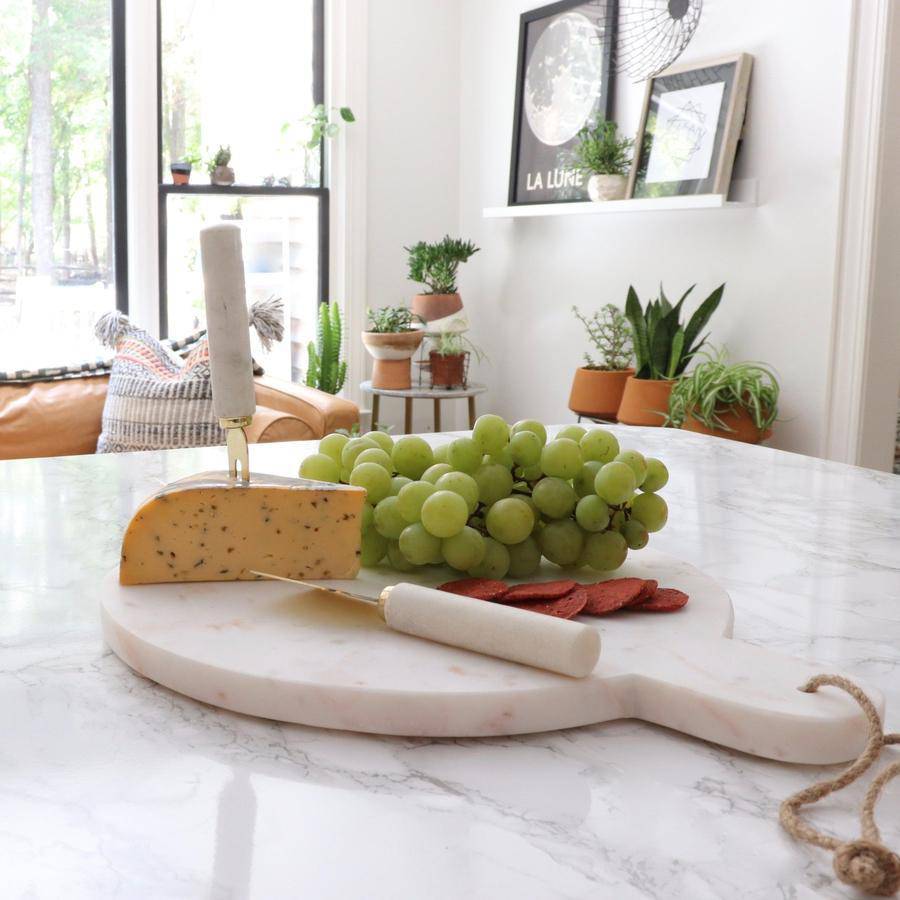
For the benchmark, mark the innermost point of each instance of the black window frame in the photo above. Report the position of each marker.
(164, 190)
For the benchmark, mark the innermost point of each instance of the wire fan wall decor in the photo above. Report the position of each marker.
(652, 34)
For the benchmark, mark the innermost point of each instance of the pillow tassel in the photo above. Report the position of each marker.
(111, 327)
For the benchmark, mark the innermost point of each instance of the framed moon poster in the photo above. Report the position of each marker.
(691, 123)
(563, 82)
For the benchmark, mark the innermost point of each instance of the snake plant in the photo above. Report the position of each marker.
(662, 345)
(327, 371)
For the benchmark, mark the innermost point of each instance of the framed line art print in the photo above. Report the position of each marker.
(564, 81)
(690, 127)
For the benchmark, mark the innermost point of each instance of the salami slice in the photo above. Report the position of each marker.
(562, 607)
(605, 597)
(538, 590)
(647, 592)
(477, 588)
(664, 600)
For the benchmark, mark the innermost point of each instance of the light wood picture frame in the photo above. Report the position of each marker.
(691, 122)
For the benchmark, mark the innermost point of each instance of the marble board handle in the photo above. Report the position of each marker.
(544, 642)
(230, 363)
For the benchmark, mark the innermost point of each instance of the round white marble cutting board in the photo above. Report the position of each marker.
(281, 652)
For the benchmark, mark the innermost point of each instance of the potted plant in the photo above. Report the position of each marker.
(181, 170)
(326, 370)
(448, 360)
(662, 349)
(435, 266)
(598, 385)
(392, 342)
(601, 154)
(738, 401)
(219, 170)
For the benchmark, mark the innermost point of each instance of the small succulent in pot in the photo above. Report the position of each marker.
(449, 359)
(181, 170)
(391, 319)
(606, 158)
(392, 340)
(219, 171)
(436, 266)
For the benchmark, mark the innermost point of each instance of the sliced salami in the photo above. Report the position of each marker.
(561, 607)
(537, 590)
(647, 592)
(606, 597)
(664, 600)
(477, 588)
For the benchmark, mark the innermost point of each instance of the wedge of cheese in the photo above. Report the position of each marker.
(210, 527)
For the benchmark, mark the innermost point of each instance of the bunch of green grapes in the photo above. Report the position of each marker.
(495, 503)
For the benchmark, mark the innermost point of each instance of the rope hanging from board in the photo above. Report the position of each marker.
(865, 863)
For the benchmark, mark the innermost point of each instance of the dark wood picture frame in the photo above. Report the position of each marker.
(602, 107)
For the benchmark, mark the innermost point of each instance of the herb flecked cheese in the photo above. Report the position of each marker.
(211, 528)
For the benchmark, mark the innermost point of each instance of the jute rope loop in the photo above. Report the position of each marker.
(866, 863)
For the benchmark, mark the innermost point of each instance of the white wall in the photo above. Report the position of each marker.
(777, 259)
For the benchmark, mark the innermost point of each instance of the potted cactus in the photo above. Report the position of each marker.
(219, 171)
(326, 370)
(605, 158)
(598, 385)
(663, 347)
(436, 266)
(392, 341)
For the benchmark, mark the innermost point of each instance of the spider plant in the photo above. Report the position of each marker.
(714, 387)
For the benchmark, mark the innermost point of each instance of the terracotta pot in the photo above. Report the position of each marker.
(392, 353)
(607, 187)
(181, 173)
(738, 420)
(645, 401)
(222, 175)
(596, 393)
(447, 371)
(436, 306)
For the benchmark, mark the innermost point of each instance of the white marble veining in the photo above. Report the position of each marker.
(111, 786)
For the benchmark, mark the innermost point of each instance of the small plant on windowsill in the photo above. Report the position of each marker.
(219, 171)
(392, 340)
(598, 385)
(318, 125)
(436, 266)
(181, 169)
(605, 158)
(449, 359)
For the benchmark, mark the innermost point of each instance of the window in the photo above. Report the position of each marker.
(243, 76)
(61, 178)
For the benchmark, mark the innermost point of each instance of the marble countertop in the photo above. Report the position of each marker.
(111, 786)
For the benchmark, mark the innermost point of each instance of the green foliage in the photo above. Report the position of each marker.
(436, 265)
(327, 371)
(663, 347)
(221, 157)
(609, 332)
(600, 151)
(713, 387)
(320, 124)
(391, 319)
(455, 343)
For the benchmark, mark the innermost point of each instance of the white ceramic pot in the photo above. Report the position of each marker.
(607, 187)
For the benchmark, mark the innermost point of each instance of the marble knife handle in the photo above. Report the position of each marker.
(227, 323)
(544, 642)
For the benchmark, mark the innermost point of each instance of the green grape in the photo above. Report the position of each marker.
(618, 520)
(501, 458)
(592, 513)
(464, 455)
(375, 455)
(462, 484)
(636, 462)
(332, 445)
(372, 548)
(420, 547)
(600, 445)
(554, 497)
(353, 448)
(397, 560)
(411, 456)
(526, 498)
(411, 498)
(635, 534)
(510, 520)
(495, 563)
(382, 438)
(657, 475)
(584, 480)
(650, 509)
(605, 552)
(374, 479)
(320, 467)
(561, 542)
(398, 482)
(367, 520)
(465, 550)
(491, 433)
(524, 558)
(530, 473)
(432, 473)
(388, 521)
(441, 453)
(531, 425)
(614, 483)
(444, 514)
(525, 448)
(345, 476)
(572, 432)
(561, 458)
(494, 482)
